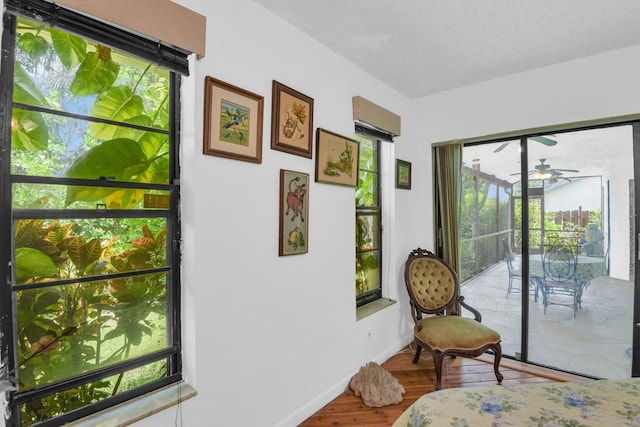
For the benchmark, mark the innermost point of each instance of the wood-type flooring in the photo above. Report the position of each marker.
(418, 379)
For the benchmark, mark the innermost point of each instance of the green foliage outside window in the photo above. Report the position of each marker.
(76, 327)
(367, 219)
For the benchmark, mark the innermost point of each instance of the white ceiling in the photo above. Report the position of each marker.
(420, 47)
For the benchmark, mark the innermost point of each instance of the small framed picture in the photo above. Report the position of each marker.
(232, 122)
(336, 158)
(294, 213)
(403, 174)
(291, 121)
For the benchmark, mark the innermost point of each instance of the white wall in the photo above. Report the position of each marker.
(270, 340)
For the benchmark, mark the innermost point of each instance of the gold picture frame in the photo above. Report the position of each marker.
(294, 213)
(232, 121)
(336, 158)
(291, 121)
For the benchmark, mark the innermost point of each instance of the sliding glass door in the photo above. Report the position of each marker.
(578, 220)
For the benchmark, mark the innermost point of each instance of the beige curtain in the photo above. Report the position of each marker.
(447, 166)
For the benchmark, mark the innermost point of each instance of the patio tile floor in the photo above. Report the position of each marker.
(595, 343)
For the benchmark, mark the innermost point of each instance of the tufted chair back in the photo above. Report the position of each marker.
(431, 282)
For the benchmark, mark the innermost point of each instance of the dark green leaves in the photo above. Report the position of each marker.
(33, 45)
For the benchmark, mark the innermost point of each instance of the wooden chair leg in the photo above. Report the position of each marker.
(497, 352)
(437, 362)
(418, 351)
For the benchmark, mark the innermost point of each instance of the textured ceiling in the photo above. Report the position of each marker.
(420, 47)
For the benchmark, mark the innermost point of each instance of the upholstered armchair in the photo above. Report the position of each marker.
(434, 290)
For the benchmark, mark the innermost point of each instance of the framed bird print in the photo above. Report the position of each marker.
(232, 122)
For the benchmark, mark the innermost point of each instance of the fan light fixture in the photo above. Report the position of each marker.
(541, 175)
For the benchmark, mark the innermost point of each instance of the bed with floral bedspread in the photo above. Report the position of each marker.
(609, 403)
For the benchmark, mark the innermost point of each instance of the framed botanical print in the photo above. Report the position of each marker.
(336, 158)
(403, 174)
(291, 121)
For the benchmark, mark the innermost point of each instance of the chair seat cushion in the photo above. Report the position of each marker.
(455, 332)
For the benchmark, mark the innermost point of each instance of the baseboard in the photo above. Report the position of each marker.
(337, 389)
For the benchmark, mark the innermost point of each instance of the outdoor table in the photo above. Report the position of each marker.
(587, 268)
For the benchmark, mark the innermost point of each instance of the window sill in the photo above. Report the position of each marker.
(137, 409)
(373, 307)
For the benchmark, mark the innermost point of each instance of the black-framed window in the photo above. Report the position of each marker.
(368, 222)
(89, 214)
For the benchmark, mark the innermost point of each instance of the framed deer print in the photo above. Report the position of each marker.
(291, 121)
(336, 158)
(294, 210)
(232, 122)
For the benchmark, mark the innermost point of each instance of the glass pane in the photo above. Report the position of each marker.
(368, 153)
(64, 72)
(367, 272)
(367, 232)
(490, 224)
(367, 191)
(67, 249)
(72, 148)
(581, 185)
(68, 330)
(67, 400)
(46, 196)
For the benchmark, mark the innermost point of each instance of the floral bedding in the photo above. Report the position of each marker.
(609, 403)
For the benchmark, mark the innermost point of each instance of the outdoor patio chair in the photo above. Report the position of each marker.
(560, 285)
(516, 274)
(434, 290)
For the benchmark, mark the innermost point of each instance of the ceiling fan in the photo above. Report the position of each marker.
(541, 139)
(545, 171)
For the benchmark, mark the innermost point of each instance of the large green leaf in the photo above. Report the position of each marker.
(118, 103)
(72, 50)
(31, 263)
(32, 45)
(122, 159)
(96, 73)
(25, 91)
(150, 142)
(118, 158)
(29, 132)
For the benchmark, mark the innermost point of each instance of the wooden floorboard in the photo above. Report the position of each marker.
(418, 379)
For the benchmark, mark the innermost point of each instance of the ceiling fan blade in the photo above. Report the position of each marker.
(544, 140)
(501, 147)
(567, 170)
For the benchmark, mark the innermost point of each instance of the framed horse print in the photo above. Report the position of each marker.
(293, 236)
